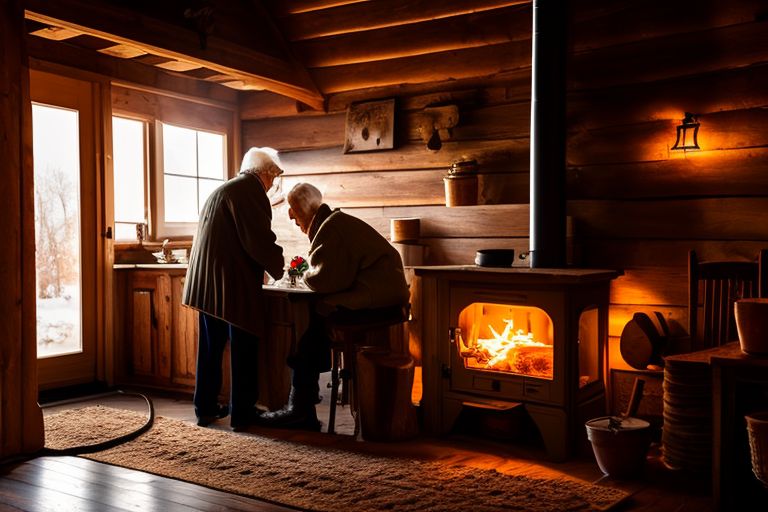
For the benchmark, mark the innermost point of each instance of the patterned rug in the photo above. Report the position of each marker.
(312, 478)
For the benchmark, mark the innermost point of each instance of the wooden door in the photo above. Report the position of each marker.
(66, 228)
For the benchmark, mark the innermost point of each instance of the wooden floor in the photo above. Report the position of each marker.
(72, 483)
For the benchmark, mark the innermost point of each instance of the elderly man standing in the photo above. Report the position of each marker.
(356, 270)
(233, 247)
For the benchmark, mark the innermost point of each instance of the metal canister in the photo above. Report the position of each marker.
(461, 183)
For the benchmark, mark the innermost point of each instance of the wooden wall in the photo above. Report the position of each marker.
(634, 69)
(474, 54)
(21, 420)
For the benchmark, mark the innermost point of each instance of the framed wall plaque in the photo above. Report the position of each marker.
(370, 126)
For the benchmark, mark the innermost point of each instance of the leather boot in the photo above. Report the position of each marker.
(298, 413)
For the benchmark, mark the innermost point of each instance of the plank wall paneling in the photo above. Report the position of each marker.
(408, 181)
(637, 205)
(449, 64)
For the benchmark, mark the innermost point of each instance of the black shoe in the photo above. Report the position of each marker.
(293, 418)
(203, 420)
(241, 422)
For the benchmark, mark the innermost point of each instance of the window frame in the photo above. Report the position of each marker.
(162, 228)
(154, 107)
(148, 158)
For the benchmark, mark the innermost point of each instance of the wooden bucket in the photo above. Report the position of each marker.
(757, 432)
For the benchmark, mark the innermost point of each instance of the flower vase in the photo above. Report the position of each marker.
(293, 280)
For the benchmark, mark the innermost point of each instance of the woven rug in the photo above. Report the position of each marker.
(312, 478)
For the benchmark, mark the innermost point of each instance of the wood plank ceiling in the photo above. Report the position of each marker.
(307, 50)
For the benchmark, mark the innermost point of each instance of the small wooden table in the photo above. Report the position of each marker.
(287, 317)
(739, 387)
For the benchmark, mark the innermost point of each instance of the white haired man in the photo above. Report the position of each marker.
(356, 271)
(232, 249)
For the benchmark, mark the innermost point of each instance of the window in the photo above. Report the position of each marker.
(169, 154)
(129, 157)
(55, 138)
(192, 165)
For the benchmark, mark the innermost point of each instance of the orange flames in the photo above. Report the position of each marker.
(511, 351)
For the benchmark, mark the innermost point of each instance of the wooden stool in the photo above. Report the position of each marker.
(349, 332)
(384, 386)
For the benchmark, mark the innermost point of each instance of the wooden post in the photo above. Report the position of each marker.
(21, 420)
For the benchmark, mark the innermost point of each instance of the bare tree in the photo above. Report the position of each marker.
(56, 221)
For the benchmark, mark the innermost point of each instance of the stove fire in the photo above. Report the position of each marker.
(516, 349)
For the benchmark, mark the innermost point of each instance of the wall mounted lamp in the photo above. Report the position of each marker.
(687, 133)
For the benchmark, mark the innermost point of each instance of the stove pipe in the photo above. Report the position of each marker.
(548, 135)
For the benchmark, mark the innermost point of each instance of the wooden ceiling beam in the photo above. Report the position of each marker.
(48, 55)
(178, 43)
(451, 33)
(376, 14)
(283, 8)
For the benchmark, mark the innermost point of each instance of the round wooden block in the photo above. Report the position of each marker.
(405, 230)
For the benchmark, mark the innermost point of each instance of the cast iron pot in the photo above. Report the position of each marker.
(494, 257)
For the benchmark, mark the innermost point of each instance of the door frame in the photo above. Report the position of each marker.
(87, 97)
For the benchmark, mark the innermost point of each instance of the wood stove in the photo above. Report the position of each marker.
(515, 338)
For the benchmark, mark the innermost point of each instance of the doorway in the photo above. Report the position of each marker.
(66, 234)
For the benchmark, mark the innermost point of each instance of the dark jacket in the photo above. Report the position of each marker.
(233, 246)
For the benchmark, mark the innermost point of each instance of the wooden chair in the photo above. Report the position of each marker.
(349, 333)
(716, 285)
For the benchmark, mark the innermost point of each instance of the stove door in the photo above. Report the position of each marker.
(501, 347)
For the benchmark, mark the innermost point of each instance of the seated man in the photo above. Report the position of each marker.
(354, 268)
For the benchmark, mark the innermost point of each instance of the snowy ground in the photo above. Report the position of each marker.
(58, 324)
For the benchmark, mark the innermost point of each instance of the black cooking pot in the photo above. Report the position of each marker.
(494, 257)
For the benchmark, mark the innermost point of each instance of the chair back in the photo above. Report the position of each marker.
(716, 285)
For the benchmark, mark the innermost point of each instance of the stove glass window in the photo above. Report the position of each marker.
(506, 338)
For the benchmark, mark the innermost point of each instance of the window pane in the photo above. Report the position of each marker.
(210, 155)
(56, 142)
(206, 187)
(128, 160)
(179, 150)
(180, 199)
(125, 231)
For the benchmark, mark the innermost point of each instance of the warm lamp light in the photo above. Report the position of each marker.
(687, 133)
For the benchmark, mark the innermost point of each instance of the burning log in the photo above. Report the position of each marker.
(512, 351)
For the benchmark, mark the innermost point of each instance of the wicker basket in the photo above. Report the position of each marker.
(757, 432)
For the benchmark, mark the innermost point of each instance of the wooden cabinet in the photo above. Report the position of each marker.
(184, 326)
(146, 322)
(156, 337)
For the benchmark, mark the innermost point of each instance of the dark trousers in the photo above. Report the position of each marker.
(312, 357)
(212, 340)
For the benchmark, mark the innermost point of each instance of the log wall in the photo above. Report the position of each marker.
(637, 204)
(634, 69)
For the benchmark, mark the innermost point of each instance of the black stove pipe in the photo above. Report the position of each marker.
(548, 135)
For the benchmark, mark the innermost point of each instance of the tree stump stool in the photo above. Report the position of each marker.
(349, 331)
(384, 384)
